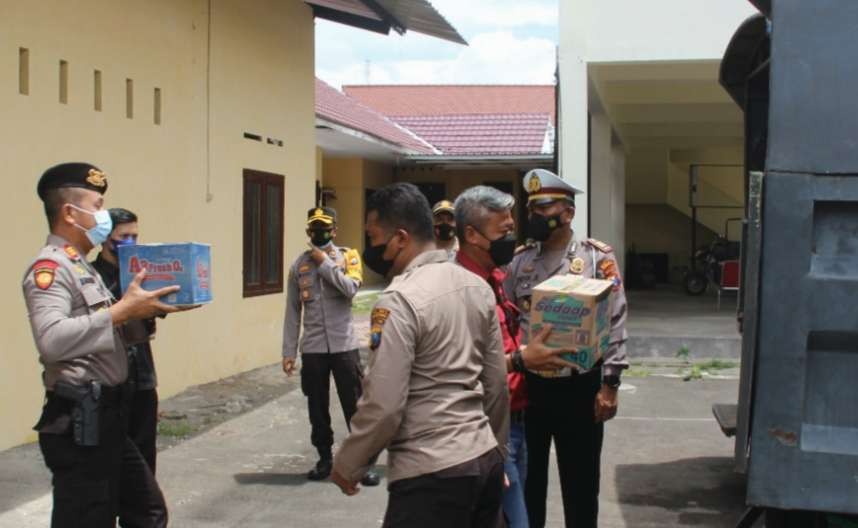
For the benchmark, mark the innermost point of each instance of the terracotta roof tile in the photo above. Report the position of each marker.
(482, 134)
(435, 100)
(339, 108)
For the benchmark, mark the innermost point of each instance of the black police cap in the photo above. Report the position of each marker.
(65, 175)
(326, 215)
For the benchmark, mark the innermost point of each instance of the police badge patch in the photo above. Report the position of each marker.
(43, 273)
(377, 319)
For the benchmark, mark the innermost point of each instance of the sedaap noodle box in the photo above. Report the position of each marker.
(187, 265)
(579, 311)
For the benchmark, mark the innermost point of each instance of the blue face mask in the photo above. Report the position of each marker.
(115, 244)
(98, 233)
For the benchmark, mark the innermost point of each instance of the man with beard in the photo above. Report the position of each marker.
(567, 406)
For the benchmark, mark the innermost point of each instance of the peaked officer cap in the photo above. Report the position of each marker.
(326, 215)
(444, 206)
(543, 186)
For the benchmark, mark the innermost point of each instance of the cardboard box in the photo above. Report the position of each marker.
(579, 310)
(186, 264)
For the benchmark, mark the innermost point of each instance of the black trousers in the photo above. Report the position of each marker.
(143, 424)
(92, 484)
(316, 370)
(562, 410)
(469, 495)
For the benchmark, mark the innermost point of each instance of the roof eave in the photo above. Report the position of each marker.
(397, 149)
(480, 159)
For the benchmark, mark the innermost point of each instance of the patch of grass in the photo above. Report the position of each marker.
(174, 428)
(683, 353)
(363, 305)
(694, 373)
(717, 364)
(637, 372)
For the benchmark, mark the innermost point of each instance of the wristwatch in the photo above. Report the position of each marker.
(518, 362)
(612, 381)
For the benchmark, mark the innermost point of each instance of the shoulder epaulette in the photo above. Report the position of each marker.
(525, 247)
(601, 246)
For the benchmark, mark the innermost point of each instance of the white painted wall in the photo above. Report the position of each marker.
(632, 30)
(594, 31)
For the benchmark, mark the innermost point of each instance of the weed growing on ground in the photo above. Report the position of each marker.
(174, 428)
(637, 372)
(363, 305)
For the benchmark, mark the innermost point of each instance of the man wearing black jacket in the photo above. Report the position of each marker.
(143, 406)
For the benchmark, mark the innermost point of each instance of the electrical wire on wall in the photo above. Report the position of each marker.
(209, 195)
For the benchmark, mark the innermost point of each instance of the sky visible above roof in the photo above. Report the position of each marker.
(511, 42)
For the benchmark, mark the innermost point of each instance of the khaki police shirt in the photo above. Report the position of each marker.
(590, 258)
(71, 324)
(435, 393)
(322, 294)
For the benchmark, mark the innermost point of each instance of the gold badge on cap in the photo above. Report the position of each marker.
(318, 212)
(96, 178)
(577, 266)
(534, 184)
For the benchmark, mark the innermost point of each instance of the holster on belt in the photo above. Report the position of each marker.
(84, 411)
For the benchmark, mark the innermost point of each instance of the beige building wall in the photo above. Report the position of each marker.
(182, 176)
(351, 178)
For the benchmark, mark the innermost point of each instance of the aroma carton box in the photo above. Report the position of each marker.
(579, 311)
(186, 264)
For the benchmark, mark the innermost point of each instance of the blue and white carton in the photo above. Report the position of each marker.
(186, 264)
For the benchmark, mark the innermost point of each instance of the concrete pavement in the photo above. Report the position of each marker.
(665, 464)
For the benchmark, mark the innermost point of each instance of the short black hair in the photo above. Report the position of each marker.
(403, 206)
(121, 216)
(55, 198)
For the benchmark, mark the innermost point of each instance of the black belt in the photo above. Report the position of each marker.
(517, 417)
(109, 395)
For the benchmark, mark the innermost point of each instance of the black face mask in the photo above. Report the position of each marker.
(444, 232)
(373, 257)
(320, 237)
(502, 250)
(541, 227)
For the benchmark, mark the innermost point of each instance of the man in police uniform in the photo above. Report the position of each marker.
(322, 283)
(435, 392)
(567, 406)
(444, 220)
(76, 326)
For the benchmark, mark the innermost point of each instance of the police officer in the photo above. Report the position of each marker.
(322, 283)
(435, 392)
(143, 410)
(76, 326)
(444, 220)
(566, 406)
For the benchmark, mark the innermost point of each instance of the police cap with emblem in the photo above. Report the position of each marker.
(66, 175)
(444, 206)
(325, 215)
(543, 186)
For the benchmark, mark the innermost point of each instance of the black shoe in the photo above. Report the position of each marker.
(322, 470)
(370, 479)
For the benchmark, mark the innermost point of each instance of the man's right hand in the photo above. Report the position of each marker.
(289, 366)
(138, 303)
(537, 356)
